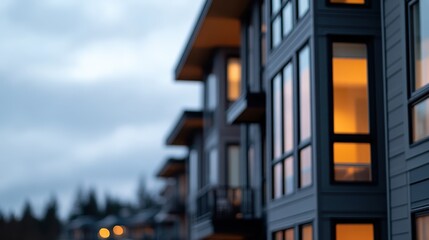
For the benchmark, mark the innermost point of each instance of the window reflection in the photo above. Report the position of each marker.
(287, 19)
(278, 182)
(350, 80)
(233, 166)
(421, 43)
(305, 167)
(288, 108)
(303, 6)
(289, 176)
(420, 114)
(276, 36)
(305, 93)
(277, 124)
(352, 161)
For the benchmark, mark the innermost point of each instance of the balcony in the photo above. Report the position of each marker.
(248, 108)
(220, 203)
(227, 213)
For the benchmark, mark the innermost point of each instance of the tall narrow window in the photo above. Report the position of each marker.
(233, 79)
(288, 108)
(419, 100)
(277, 122)
(305, 167)
(355, 231)
(290, 234)
(304, 93)
(422, 227)
(213, 171)
(233, 165)
(351, 155)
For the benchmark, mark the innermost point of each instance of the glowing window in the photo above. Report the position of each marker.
(357, 2)
(289, 234)
(354, 232)
(352, 162)
(307, 232)
(350, 80)
(422, 227)
(234, 78)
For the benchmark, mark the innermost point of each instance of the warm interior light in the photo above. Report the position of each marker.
(118, 230)
(349, 1)
(354, 232)
(234, 78)
(350, 81)
(352, 161)
(104, 233)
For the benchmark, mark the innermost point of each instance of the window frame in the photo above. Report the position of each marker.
(279, 14)
(369, 138)
(414, 96)
(298, 145)
(227, 166)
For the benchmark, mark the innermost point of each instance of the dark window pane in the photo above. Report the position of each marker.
(305, 167)
(420, 120)
(234, 165)
(288, 108)
(420, 20)
(289, 176)
(305, 93)
(278, 182)
(277, 122)
(350, 81)
(352, 162)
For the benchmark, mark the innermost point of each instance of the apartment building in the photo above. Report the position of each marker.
(314, 122)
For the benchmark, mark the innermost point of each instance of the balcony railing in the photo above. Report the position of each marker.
(225, 202)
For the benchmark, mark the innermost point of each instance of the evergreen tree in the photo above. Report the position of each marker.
(112, 207)
(90, 207)
(51, 225)
(29, 226)
(77, 208)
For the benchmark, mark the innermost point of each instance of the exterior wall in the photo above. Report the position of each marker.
(408, 169)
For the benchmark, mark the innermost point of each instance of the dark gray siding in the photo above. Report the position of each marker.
(408, 169)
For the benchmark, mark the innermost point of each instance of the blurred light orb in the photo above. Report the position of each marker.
(104, 233)
(118, 230)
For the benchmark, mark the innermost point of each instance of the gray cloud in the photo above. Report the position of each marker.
(86, 94)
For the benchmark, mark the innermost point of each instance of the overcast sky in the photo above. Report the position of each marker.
(87, 95)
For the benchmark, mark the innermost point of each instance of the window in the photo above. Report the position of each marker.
(233, 79)
(288, 234)
(351, 128)
(306, 232)
(354, 231)
(233, 165)
(291, 118)
(281, 20)
(357, 2)
(213, 171)
(422, 227)
(419, 100)
(303, 6)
